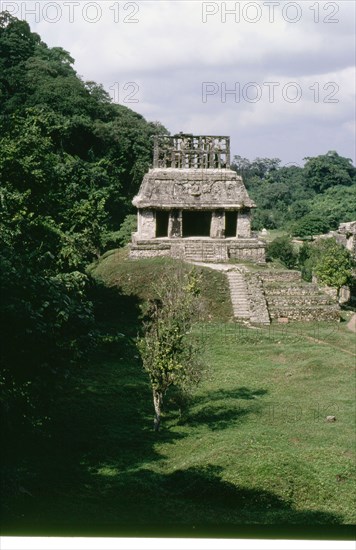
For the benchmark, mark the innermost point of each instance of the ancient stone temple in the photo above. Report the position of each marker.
(191, 205)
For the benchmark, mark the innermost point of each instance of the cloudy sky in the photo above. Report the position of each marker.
(277, 76)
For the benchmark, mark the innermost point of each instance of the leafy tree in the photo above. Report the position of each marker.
(333, 264)
(264, 219)
(326, 211)
(329, 170)
(260, 167)
(330, 261)
(298, 209)
(337, 204)
(282, 249)
(17, 45)
(46, 323)
(169, 351)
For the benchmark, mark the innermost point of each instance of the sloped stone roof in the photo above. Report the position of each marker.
(191, 189)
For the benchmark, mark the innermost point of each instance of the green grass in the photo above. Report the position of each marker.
(275, 233)
(137, 277)
(252, 448)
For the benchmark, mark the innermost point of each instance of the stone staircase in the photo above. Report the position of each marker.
(239, 295)
(259, 297)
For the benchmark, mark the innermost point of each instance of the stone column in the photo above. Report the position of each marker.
(146, 224)
(243, 223)
(217, 227)
(175, 224)
(138, 232)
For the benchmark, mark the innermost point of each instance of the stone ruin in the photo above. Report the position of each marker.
(191, 205)
(346, 235)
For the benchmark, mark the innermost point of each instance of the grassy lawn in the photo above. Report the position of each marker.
(252, 448)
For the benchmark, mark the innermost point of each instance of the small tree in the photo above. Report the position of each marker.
(333, 264)
(169, 351)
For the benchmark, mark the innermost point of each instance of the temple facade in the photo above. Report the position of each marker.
(191, 205)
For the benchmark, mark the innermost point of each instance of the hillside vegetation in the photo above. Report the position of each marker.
(138, 277)
(70, 163)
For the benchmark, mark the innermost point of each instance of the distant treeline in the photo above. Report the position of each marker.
(304, 201)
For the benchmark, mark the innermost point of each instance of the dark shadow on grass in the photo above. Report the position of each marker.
(237, 393)
(195, 501)
(90, 471)
(219, 409)
(215, 418)
(204, 487)
(114, 309)
(102, 414)
(66, 476)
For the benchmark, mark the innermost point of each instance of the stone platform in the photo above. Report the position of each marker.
(200, 249)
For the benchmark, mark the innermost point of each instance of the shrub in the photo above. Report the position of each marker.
(312, 224)
(331, 262)
(282, 249)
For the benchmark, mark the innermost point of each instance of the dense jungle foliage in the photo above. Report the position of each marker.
(70, 163)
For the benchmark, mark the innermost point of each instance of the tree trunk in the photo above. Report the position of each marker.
(157, 403)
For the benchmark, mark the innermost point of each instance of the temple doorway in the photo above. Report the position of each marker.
(230, 224)
(162, 223)
(196, 223)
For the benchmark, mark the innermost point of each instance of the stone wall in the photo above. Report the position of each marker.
(290, 298)
(257, 299)
(305, 313)
(192, 189)
(146, 224)
(344, 235)
(247, 250)
(200, 249)
(349, 231)
(175, 224)
(278, 276)
(244, 224)
(148, 250)
(217, 227)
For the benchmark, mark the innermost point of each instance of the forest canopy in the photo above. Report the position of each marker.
(305, 200)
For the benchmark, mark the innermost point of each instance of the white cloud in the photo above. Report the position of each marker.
(169, 52)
